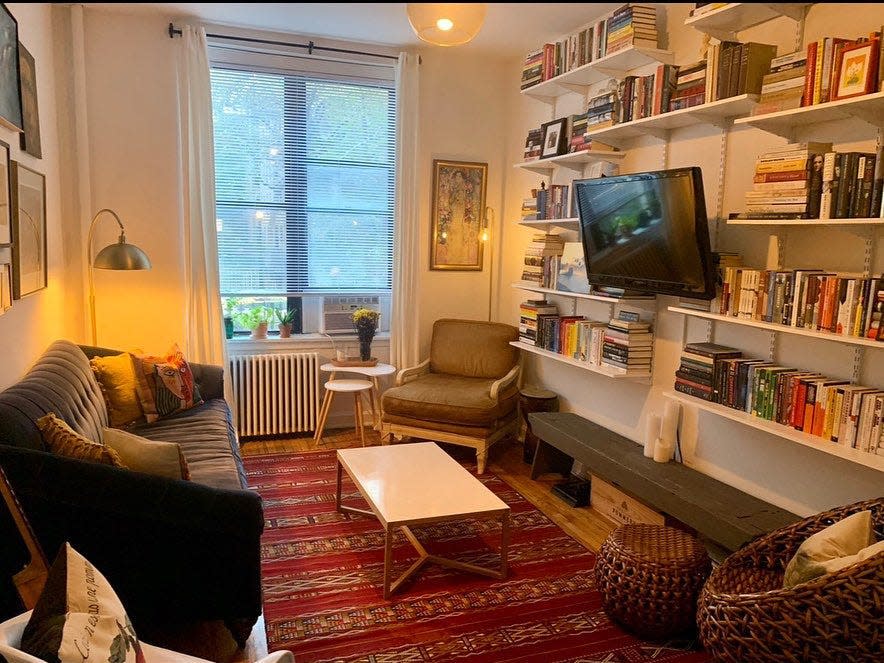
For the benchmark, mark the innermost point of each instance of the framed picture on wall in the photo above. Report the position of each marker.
(5, 206)
(29, 271)
(30, 136)
(457, 215)
(10, 92)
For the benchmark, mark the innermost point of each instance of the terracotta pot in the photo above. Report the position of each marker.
(260, 331)
(285, 331)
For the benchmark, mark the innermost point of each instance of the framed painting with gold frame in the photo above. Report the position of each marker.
(457, 215)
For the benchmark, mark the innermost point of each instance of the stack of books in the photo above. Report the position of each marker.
(824, 59)
(631, 25)
(534, 145)
(783, 87)
(812, 299)
(542, 258)
(700, 370)
(532, 69)
(578, 126)
(628, 345)
(690, 86)
(529, 209)
(788, 183)
(528, 312)
(600, 111)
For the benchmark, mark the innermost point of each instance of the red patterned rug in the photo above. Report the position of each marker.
(323, 570)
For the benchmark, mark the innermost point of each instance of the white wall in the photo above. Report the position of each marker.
(794, 477)
(38, 319)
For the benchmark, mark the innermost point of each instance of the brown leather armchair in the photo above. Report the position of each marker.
(465, 393)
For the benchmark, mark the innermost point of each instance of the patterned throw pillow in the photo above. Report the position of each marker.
(79, 617)
(116, 376)
(62, 440)
(162, 459)
(165, 385)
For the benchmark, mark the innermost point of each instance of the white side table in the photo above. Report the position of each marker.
(372, 373)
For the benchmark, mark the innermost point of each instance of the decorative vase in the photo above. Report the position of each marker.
(228, 327)
(285, 331)
(364, 349)
(260, 331)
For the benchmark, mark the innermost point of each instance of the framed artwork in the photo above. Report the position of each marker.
(457, 215)
(553, 138)
(30, 137)
(5, 206)
(5, 279)
(28, 231)
(572, 270)
(10, 92)
(856, 70)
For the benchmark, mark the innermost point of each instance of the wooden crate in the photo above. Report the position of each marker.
(613, 503)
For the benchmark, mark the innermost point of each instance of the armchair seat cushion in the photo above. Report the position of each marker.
(453, 399)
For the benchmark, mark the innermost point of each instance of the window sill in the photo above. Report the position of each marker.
(244, 345)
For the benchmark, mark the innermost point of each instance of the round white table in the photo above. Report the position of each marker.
(372, 373)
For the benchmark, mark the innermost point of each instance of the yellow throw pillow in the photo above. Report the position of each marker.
(825, 551)
(116, 375)
(62, 440)
(162, 459)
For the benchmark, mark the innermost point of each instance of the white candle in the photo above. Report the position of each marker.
(652, 432)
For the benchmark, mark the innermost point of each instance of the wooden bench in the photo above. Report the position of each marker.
(719, 513)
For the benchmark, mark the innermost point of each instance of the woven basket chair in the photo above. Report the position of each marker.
(745, 614)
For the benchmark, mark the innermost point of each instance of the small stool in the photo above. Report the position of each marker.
(534, 399)
(650, 578)
(355, 387)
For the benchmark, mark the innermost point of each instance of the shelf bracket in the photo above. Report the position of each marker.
(868, 252)
(772, 346)
(710, 331)
(573, 87)
(782, 238)
(662, 134)
(857, 363)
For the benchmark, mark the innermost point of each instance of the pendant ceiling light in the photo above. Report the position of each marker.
(446, 24)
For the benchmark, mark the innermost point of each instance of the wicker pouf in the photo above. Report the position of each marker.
(650, 577)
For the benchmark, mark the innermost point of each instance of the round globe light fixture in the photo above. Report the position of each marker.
(446, 24)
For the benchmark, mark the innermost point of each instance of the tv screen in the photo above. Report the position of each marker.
(647, 232)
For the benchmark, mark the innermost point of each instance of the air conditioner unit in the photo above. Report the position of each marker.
(336, 312)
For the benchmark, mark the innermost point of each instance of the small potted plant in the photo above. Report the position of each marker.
(365, 321)
(256, 318)
(285, 319)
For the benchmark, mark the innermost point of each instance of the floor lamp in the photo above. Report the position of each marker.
(119, 256)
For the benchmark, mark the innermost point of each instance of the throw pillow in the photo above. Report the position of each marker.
(62, 440)
(821, 553)
(165, 385)
(116, 376)
(162, 459)
(79, 617)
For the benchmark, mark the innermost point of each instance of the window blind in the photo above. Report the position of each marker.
(305, 177)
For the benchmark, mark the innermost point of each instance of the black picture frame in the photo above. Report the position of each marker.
(10, 82)
(30, 111)
(29, 244)
(554, 140)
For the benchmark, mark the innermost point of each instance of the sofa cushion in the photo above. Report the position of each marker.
(207, 440)
(161, 459)
(449, 398)
(165, 385)
(473, 349)
(61, 440)
(61, 381)
(116, 376)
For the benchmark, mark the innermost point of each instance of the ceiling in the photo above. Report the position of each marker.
(509, 29)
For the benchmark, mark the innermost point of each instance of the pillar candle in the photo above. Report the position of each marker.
(652, 432)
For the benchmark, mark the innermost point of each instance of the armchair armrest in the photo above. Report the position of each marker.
(407, 374)
(499, 385)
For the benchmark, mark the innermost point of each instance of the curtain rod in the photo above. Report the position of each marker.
(310, 46)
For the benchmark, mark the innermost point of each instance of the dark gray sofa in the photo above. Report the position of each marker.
(175, 551)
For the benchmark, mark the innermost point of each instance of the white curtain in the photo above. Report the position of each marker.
(204, 320)
(404, 326)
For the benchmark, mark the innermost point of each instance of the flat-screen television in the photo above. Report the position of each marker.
(647, 232)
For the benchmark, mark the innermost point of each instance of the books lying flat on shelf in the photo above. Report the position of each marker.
(782, 88)
(628, 345)
(542, 259)
(528, 313)
(788, 181)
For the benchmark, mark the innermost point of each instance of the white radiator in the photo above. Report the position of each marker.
(275, 394)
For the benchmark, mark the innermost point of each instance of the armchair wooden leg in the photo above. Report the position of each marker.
(481, 458)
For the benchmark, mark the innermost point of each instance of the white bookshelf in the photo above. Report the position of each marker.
(572, 161)
(873, 221)
(601, 370)
(565, 224)
(576, 295)
(725, 22)
(868, 108)
(854, 455)
(782, 329)
(615, 65)
(716, 113)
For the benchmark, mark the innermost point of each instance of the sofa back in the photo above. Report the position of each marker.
(472, 348)
(61, 382)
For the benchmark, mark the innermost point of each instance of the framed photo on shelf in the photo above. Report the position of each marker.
(553, 138)
(457, 215)
(28, 231)
(572, 270)
(5, 206)
(856, 71)
(10, 84)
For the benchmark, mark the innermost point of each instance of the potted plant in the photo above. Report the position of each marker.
(365, 320)
(230, 305)
(256, 318)
(285, 319)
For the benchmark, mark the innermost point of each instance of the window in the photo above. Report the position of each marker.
(305, 176)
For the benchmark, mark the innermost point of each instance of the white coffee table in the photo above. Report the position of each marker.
(417, 484)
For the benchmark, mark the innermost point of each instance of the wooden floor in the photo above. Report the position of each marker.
(211, 641)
